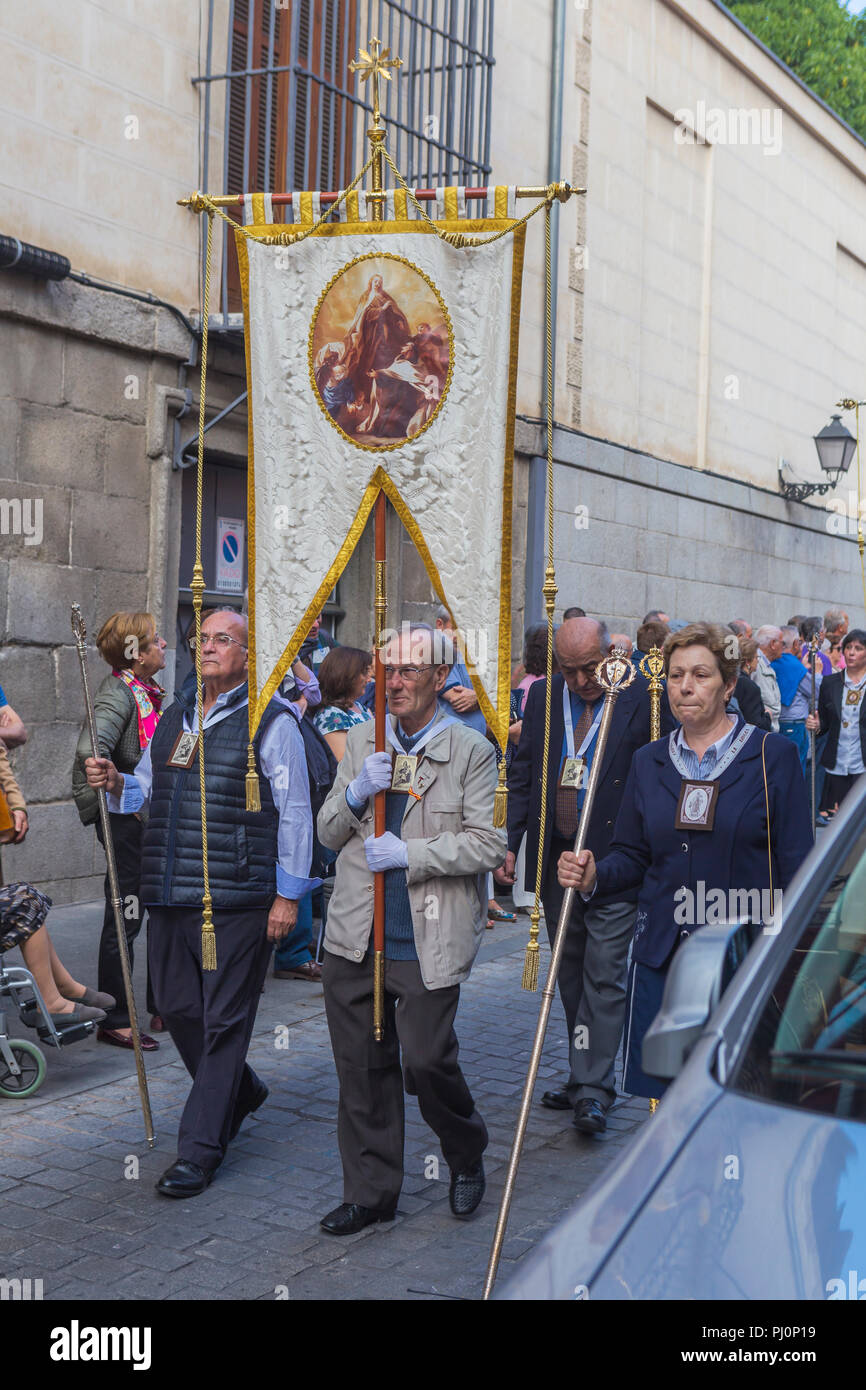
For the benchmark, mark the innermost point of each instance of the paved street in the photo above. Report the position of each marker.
(75, 1214)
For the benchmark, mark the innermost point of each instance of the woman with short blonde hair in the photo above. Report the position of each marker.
(126, 709)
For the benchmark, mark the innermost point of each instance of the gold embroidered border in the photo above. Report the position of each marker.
(398, 443)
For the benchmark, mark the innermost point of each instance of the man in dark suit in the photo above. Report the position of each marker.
(592, 975)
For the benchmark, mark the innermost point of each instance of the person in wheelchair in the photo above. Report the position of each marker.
(65, 999)
(23, 910)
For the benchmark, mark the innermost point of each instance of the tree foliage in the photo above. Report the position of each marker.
(821, 42)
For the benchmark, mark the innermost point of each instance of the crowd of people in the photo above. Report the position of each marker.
(720, 800)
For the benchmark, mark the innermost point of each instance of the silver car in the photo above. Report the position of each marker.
(749, 1182)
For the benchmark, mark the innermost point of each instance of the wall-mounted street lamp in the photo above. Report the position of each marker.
(836, 446)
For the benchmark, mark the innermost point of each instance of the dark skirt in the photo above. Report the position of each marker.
(836, 788)
(646, 987)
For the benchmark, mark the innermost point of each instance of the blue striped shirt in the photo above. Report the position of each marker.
(702, 769)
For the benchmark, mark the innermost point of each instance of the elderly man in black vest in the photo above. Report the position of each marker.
(258, 863)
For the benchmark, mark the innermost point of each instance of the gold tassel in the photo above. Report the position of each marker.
(654, 1105)
(208, 937)
(254, 796)
(500, 800)
(530, 959)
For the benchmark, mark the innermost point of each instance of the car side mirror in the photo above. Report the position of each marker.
(699, 974)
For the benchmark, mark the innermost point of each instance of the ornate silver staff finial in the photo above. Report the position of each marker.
(79, 631)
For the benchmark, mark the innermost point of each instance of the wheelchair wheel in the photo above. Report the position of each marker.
(33, 1069)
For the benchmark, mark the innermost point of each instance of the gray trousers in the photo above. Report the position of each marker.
(592, 984)
(419, 1022)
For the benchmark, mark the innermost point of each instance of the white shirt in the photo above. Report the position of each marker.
(849, 754)
(283, 762)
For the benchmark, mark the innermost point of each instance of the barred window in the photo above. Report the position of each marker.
(296, 117)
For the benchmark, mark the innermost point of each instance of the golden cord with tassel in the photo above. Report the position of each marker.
(197, 585)
(500, 796)
(530, 959)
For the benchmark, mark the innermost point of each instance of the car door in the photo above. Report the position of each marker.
(767, 1198)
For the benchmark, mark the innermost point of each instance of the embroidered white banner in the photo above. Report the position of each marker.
(381, 357)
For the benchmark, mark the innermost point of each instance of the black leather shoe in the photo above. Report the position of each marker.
(556, 1100)
(350, 1217)
(467, 1189)
(259, 1097)
(184, 1179)
(589, 1117)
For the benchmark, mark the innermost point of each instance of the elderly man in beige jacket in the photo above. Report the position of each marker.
(440, 779)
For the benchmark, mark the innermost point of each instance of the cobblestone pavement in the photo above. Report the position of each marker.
(73, 1213)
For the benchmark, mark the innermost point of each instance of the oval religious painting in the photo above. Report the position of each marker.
(381, 351)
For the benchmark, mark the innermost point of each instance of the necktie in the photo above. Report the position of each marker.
(567, 814)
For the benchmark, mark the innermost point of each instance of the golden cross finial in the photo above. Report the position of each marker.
(372, 65)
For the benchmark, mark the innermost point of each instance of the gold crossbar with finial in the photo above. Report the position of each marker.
(561, 191)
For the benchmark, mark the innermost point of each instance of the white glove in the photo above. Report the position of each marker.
(375, 776)
(386, 852)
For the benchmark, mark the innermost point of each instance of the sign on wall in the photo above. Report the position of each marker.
(230, 556)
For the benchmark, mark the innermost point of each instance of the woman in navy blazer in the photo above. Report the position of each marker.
(704, 855)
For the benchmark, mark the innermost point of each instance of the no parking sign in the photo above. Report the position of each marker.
(230, 556)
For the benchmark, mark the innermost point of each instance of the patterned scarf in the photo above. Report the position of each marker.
(148, 702)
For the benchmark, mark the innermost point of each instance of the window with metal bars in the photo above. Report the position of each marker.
(296, 117)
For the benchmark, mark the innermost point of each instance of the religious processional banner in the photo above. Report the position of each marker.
(381, 357)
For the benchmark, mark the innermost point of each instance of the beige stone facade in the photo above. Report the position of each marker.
(720, 273)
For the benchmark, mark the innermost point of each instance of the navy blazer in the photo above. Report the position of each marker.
(629, 730)
(830, 715)
(648, 850)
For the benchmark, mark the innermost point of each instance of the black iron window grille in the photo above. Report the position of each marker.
(296, 117)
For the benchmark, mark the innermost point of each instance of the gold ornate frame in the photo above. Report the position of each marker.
(410, 439)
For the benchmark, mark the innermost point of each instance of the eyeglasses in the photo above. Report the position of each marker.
(574, 670)
(218, 639)
(406, 673)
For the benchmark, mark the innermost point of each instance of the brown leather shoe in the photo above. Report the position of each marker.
(118, 1039)
(156, 1024)
(309, 971)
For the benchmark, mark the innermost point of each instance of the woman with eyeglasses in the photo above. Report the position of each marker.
(343, 677)
(126, 708)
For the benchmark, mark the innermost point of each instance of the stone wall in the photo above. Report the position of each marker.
(85, 383)
(101, 135)
(633, 532)
(726, 207)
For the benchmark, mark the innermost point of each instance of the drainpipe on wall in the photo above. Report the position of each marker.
(536, 502)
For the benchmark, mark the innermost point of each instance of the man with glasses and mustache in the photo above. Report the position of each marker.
(258, 863)
(440, 778)
(592, 974)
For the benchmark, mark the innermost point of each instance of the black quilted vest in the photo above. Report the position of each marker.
(242, 844)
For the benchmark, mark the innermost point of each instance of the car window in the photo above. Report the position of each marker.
(808, 1048)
